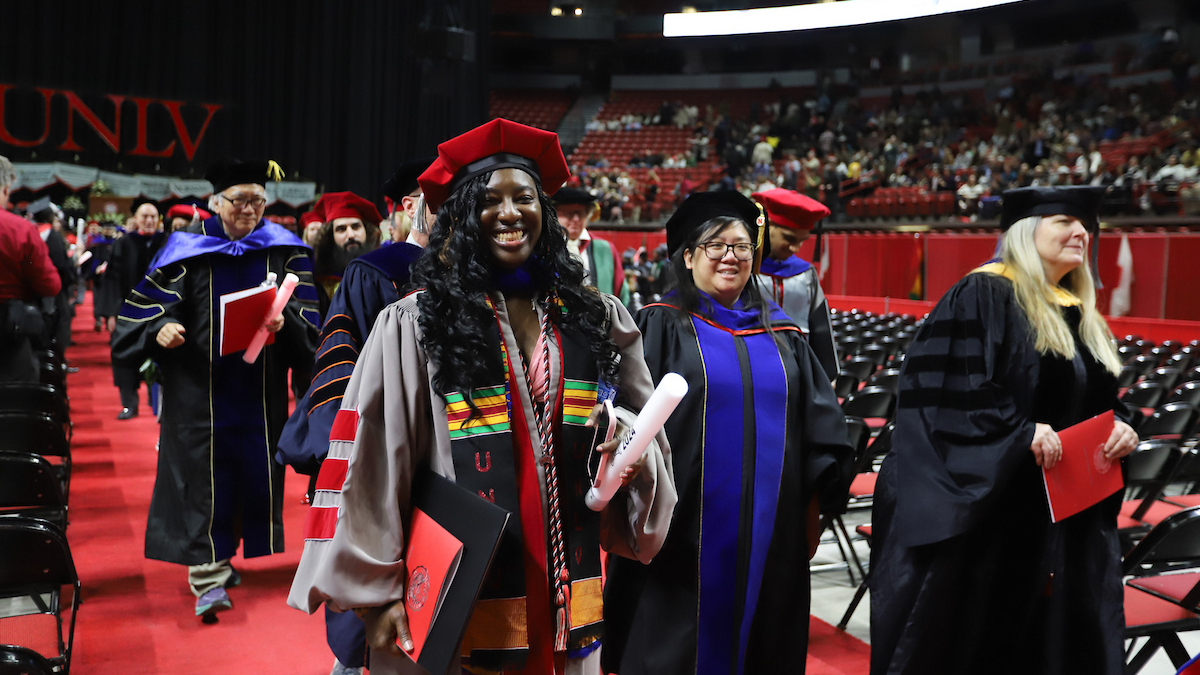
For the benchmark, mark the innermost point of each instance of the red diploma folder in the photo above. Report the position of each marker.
(1084, 476)
(241, 315)
(432, 559)
(475, 525)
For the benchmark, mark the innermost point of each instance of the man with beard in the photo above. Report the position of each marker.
(130, 258)
(371, 282)
(217, 486)
(576, 208)
(351, 229)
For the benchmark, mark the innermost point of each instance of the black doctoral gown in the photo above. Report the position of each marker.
(759, 432)
(218, 484)
(968, 573)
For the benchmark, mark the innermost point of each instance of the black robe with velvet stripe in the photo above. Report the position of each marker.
(759, 432)
(218, 484)
(968, 573)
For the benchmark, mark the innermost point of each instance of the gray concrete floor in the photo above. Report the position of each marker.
(832, 593)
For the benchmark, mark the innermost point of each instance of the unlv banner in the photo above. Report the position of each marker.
(45, 118)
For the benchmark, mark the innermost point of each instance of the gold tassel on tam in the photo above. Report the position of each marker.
(274, 171)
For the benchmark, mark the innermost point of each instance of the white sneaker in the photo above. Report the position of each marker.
(339, 669)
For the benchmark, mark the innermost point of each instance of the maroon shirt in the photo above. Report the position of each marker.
(25, 267)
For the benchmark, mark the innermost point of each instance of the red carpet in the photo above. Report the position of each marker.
(137, 614)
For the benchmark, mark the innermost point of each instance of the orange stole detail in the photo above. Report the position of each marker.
(498, 623)
(587, 602)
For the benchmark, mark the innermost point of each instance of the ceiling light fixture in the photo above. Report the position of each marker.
(809, 17)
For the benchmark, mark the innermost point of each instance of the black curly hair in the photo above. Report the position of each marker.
(456, 274)
(688, 296)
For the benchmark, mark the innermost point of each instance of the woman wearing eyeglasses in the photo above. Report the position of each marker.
(757, 442)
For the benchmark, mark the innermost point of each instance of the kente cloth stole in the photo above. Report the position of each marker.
(494, 462)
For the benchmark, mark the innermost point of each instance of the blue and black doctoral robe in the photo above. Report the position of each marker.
(968, 574)
(371, 282)
(758, 434)
(218, 484)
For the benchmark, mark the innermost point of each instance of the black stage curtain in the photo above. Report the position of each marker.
(339, 92)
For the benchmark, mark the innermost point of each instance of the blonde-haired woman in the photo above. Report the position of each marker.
(968, 572)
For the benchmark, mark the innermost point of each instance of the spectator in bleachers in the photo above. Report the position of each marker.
(26, 278)
(1174, 172)
(967, 564)
(968, 197)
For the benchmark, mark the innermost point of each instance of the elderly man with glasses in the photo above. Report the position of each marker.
(218, 484)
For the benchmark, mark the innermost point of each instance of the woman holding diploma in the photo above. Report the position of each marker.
(488, 375)
(757, 440)
(968, 572)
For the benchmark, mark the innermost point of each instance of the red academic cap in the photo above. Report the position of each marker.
(788, 208)
(334, 205)
(499, 144)
(310, 217)
(185, 211)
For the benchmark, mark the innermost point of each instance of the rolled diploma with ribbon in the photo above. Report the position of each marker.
(281, 299)
(666, 397)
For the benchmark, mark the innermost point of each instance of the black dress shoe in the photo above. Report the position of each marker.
(127, 413)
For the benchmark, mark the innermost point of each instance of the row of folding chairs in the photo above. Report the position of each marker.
(36, 566)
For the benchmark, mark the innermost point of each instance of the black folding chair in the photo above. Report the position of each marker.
(1173, 421)
(1159, 606)
(1144, 394)
(871, 403)
(1168, 377)
(1188, 392)
(1148, 470)
(877, 353)
(858, 367)
(858, 434)
(888, 378)
(41, 435)
(36, 398)
(16, 660)
(53, 375)
(1127, 377)
(35, 561)
(29, 487)
(844, 385)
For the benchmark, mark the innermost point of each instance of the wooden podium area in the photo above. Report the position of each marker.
(922, 261)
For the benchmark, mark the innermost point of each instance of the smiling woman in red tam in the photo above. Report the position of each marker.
(502, 354)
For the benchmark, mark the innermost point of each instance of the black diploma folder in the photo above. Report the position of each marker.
(478, 524)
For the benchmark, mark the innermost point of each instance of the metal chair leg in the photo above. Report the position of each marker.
(858, 596)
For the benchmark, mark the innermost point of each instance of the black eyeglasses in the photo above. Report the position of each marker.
(716, 250)
(241, 202)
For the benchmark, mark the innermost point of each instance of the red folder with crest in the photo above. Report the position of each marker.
(432, 560)
(1084, 476)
